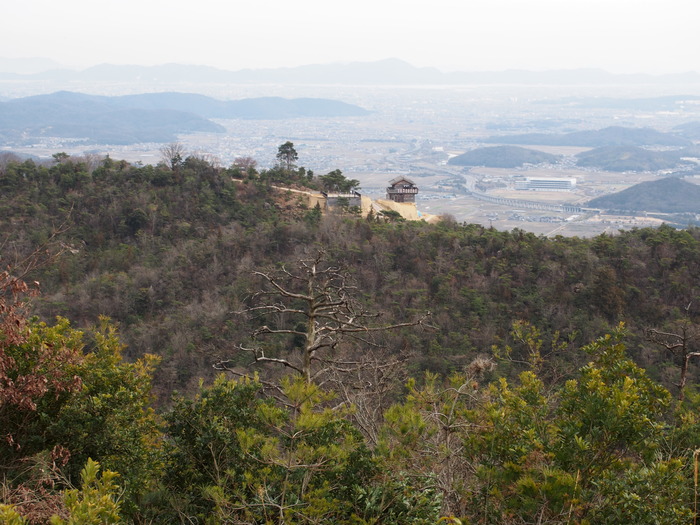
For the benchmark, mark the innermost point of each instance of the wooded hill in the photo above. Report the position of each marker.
(519, 399)
(631, 158)
(503, 157)
(666, 195)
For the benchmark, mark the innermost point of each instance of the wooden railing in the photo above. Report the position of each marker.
(402, 190)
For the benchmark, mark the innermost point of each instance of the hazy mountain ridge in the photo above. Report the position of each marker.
(156, 117)
(388, 71)
(610, 136)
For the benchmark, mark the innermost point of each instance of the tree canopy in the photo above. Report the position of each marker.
(287, 155)
(336, 182)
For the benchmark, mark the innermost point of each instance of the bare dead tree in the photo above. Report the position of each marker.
(681, 344)
(314, 309)
(8, 158)
(318, 300)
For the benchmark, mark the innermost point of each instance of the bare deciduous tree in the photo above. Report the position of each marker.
(244, 164)
(206, 158)
(681, 343)
(6, 158)
(172, 154)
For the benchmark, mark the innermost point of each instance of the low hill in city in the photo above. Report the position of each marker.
(502, 157)
(667, 195)
(629, 158)
(610, 136)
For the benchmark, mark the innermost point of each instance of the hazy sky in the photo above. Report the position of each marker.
(621, 36)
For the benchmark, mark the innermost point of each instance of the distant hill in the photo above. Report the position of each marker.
(94, 119)
(666, 195)
(629, 158)
(689, 130)
(156, 117)
(502, 157)
(611, 136)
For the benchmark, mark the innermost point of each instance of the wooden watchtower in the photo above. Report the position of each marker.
(401, 189)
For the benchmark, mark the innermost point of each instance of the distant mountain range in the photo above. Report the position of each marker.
(389, 71)
(503, 157)
(667, 195)
(153, 117)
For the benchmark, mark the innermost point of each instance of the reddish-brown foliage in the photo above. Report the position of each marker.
(28, 370)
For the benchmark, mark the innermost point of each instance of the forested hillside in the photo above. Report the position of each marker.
(453, 370)
(665, 195)
(631, 158)
(502, 157)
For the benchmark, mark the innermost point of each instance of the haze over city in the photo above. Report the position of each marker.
(620, 36)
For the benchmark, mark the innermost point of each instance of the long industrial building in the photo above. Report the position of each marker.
(542, 184)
